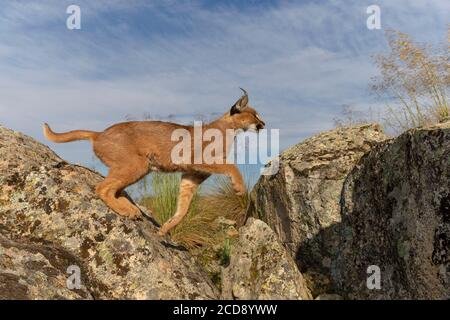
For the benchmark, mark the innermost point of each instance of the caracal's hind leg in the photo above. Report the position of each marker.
(188, 186)
(118, 179)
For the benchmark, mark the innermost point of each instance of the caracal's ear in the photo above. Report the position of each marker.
(240, 104)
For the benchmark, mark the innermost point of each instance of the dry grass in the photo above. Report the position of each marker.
(222, 197)
(351, 116)
(200, 227)
(414, 82)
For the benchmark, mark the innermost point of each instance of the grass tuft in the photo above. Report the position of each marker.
(201, 227)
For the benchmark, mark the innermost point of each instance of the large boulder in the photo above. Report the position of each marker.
(261, 268)
(303, 198)
(43, 199)
(29, 271)
(396, 216)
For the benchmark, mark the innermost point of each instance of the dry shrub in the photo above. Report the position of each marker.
(350, 116)
(414, 82)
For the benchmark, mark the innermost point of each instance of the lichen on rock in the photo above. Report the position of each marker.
(29, 271)
(261, 268)
(43, 199)
(396, 215)
(301, 203)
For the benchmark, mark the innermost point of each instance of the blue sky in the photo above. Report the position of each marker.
(299, 60)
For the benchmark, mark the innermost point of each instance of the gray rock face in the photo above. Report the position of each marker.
(342, 201)
(303, 198)
(45, 200)
(261, 268)
(30, 271)
(396, 215)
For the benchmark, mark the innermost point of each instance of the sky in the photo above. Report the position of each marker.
(300, 61)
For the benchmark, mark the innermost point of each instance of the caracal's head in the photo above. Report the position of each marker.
(244, 116)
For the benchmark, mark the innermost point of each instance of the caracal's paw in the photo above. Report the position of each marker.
(132, 214)
(240, 190)
(164, 230)
(135, 215)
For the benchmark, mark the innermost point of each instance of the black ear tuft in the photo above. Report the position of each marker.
(234, 109)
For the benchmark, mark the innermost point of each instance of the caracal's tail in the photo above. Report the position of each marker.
(68, 136)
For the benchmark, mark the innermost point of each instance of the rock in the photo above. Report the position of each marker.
(43, 199)
(261, 268)
(396, 216)
(29, 271)
(225, 222)
(303, 198)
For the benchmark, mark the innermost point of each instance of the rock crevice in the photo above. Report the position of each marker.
(303, 198)
(377, 202)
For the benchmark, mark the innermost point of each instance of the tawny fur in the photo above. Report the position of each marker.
(132, 149)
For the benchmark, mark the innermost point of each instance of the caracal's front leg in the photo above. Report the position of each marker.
(188, 186)
(237, 181)
(231, 171)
